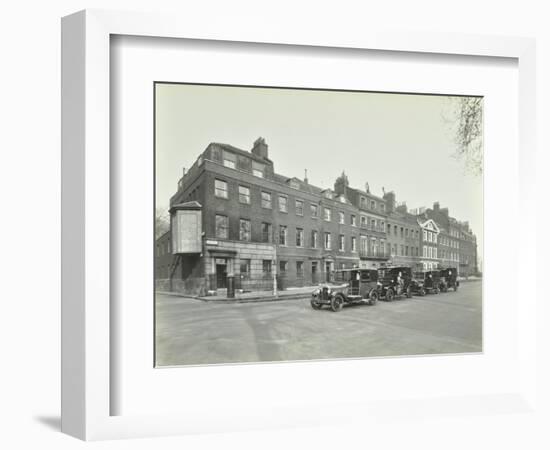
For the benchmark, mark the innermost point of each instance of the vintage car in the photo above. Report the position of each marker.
(348, 286)
(448, 279)
(426, 282)
(395, 282)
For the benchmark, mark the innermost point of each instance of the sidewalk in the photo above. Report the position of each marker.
(249, 297)
(265, 296)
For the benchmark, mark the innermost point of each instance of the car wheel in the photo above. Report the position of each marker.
(315, 304)
(373, 297)
(409, 292)
(337, 303)
(422, 292)
(390, 295)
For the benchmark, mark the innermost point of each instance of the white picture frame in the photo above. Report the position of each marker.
(86, 284)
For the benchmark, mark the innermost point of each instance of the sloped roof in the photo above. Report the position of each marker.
(428, 222)
(241, 152)
(186, 205)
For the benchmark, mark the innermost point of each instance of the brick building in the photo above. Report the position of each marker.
(457, 243)
(256, 222)
(403, 234)
(369, 216)
(241, 218)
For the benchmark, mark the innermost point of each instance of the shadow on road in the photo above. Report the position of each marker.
(266, 346)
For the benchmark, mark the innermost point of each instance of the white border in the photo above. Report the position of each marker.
(85, 199)
(141, 389)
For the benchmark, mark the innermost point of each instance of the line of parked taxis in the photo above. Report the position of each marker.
(388, 283)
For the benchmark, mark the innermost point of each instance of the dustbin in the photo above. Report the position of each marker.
(230, 286)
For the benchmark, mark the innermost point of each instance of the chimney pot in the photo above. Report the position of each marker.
(260, 148)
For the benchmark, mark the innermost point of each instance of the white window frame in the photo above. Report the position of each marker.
(301, 202)
(247, 196)
(270, 200)
(225, 191)
(328, 240)
(285, 203)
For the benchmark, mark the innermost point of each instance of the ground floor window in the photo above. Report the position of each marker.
(300, 268)
(266, 266)
(314, 267)
(245, 268)
(282, 267)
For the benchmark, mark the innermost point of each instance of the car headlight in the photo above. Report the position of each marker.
(316, 292)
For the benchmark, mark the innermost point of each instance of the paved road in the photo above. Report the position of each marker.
(190, 331)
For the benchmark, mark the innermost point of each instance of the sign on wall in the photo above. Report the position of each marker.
(186, 231)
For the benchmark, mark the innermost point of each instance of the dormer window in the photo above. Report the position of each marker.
(294, 184)
(229, 160)
(258, 169)
(328, 194)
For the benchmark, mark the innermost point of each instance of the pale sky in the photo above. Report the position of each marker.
(399, 142)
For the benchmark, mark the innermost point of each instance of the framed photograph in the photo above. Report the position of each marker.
(243, 226)
(252, 218)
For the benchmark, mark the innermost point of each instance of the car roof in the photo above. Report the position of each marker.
(355, 270)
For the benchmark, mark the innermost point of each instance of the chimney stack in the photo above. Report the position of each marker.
(389, 198)
(305, 177)
(180, 181)
(260, 148)
(436, 206)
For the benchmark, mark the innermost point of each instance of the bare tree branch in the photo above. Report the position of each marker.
(162, 222)
(466, 123)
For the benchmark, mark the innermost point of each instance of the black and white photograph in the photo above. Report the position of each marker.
(297, 224)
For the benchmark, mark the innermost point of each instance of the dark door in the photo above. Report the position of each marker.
(314, 277)
(221, 276)
(327, 268)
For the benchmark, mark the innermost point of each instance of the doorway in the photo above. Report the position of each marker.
(328, 266)
(314, 275)
(221, 273)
